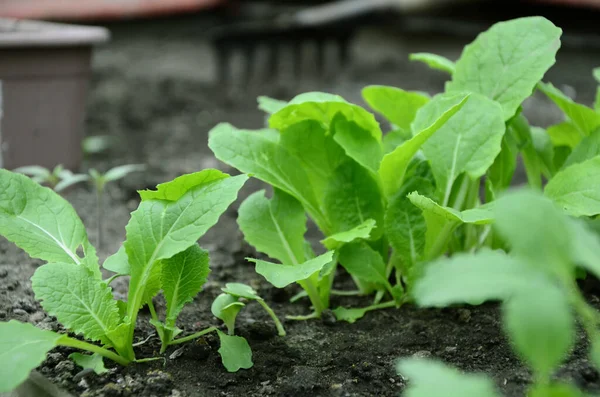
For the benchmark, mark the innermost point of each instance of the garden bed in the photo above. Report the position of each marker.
(166, 127)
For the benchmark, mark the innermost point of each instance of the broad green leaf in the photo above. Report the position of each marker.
(226, 307)
(159, 229)
(118, 262)
(476, 216)
(393, 139)
(357, 142)
(183, 276)
(502, 66)
(541, 327)
(582, 117)
(555, 390)
(468, 142)
(275, 227)
(363, 262)
(176, 188)
(95, 362)
(434, 116)
(398, 106)
(122, 171)
(428, 378)
(235, 352)
(270, 105)
(577, 188)
(349, 315)
(564, 134)
(588, 148)
(323, 107)
(241, 291)
(352, 197)
(254, 153)
(362, 231)
(42, 223)
(281, 275)
(23, 347)
(535, 230)
(81, 302)
(472, 278)
(434, 61)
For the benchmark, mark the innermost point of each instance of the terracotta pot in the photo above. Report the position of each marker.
(44, 69)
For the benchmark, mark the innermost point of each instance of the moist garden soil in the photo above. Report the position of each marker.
(153, 93)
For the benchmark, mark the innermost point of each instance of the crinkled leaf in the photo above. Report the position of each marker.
(95, 362)
(173, 190)
(476, 216)
(159, 229)
(468, 142)
(363, 262)
(23, 347)
(357, 142)
(270, 105)
(81, 302)
(577, 188)
(434, 61)
(362, 231)
(275, 227)
(235, 352)
(434, 116)
(472, 278)
(398, 106)
(118, 262)
(241, 291)
(564, 134)
(283, 275)
(428, 378)
(502, 66)
(588, 148)
(42, 223)
(541, 327)
(183, 276)
(582, 117)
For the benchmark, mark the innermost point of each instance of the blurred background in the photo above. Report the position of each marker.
(172, 69)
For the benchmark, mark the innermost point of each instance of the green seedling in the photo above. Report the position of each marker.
(58, 179)
(386, 205)
(160, 253)
(536, 284)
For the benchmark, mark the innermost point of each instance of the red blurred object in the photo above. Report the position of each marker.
(99, 9)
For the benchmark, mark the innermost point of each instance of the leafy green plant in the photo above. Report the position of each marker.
(160, 253)
(536, 284)
(388, 204)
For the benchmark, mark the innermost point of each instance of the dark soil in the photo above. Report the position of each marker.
(153, 92)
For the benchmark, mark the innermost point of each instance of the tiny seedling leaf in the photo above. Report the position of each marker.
(283, 275)
(122, 171)
(270, 105)
(94, 362)
(226, 307)
(350, 315)
(235, 352)
(362, 231)
(398, 106)
(434, 61)
(241, 291)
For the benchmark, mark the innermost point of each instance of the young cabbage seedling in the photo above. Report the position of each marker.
(160, 253)
(57, 179)
(536, 284)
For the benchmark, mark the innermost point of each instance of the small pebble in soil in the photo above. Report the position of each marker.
(328, 318)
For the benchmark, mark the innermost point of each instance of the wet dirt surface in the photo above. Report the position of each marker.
(153, 92)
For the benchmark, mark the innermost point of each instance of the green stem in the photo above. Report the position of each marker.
(381, 293)
(192, 336)
(149, 359)
(384, 305)
(313, 295)
(588, 316)
(280, 329)
(152, 310)
(441, 242)
(112, 278)
(76, 343)
(345, 293)
(304, 317)
(99, 211)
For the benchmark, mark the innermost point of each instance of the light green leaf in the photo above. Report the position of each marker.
(437, 113)
(476, 216)
(283, 275)
(363, 262)
(23, 347)
(270, 105)
(597, 100)
(502, 66)
(468, 142)
(226, 307)
(358, 143)
(352, 197)
(393, 139)
(541, 327)
(81, 302)
(275, 227)
(582, 117)
(472, 278)
(555, 390)
(588, 148)
(434, 61)
(122, 171)
(544, 149)
(577, 188)
(118, 262)
(564, 134)
(585, 246)
(42, 223)
(596, 73)
(176, 188)
(349, 315)
(501, 172)
(71, 180)
(323, 107)
(159, 229)
(183, 276)
(40, 173)
(241, 291)
(235, 352)
(429, 378)
(94, 362)
(362, 231)
(398, 106)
